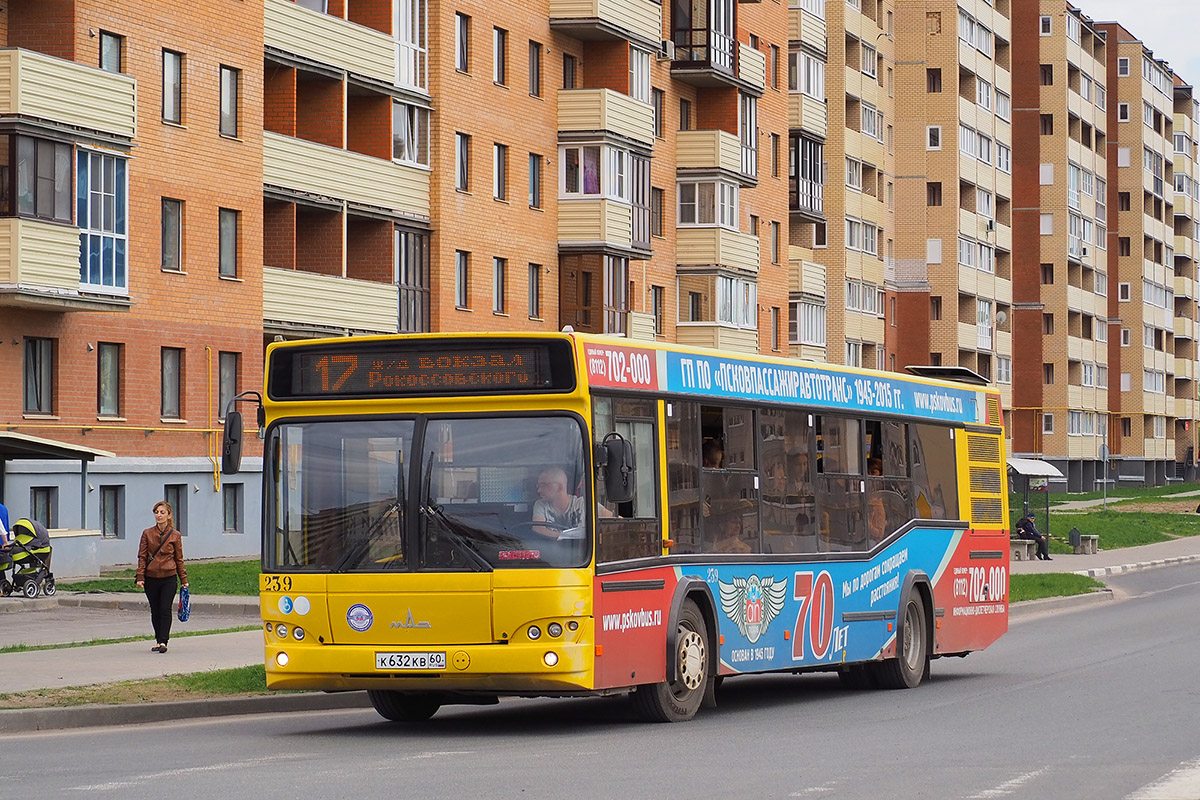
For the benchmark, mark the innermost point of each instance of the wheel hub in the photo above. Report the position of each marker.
(691, 660)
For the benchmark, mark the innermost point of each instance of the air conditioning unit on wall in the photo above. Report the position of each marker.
(666, 51)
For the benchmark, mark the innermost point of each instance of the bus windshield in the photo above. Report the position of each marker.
(398, 494)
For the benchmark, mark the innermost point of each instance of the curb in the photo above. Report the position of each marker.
(1029, 608)
(1102, 572)
(44, 719)
(237, 606)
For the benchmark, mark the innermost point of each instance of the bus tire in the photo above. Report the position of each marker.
(404, 706)
(911, 663)
(679, 700)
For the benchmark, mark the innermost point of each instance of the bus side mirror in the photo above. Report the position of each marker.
(231, 443)
(614, 456)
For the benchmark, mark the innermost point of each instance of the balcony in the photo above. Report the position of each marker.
(39, 269)
(326, 304)
(37, 86)
(1185, 286)
(595, 111)
(716, 247)
(807, 28)
(1185, 369)
(716, 335)
(291, 29)
(805, 275)
(638, 21)
(343, 176)
(1185, 328)
(598, 225)
(808, 114)
(710, 154)
(641, 326)
(709, 58)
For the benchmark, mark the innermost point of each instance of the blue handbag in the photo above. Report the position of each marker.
(185, 604)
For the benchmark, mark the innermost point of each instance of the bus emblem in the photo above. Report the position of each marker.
(752, 603)
(359, 617)
(410, 623)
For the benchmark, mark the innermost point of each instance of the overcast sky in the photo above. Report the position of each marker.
(1168, 27)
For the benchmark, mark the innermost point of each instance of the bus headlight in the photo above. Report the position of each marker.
(282, 659)
(554, 629)
(298, 633)
(551, 658)
(535, 632)
(268, 628)
(281, 630)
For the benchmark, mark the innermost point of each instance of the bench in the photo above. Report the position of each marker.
(1022, 549)
(1088, 543)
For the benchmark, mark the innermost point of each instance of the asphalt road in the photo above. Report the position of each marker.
(1099, 702)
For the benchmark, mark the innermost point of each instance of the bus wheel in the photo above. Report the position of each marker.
(906, 670)
(678, 700)
(404, 707)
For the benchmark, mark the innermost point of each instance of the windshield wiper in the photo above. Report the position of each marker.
(433, 511)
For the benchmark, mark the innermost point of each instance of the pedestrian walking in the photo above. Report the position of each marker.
(160, 570)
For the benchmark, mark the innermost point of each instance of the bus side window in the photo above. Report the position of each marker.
(683, 475)
(935, 476)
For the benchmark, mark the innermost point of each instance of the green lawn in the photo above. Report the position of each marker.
(204, 577)
(1050, 584)
(1039, 499)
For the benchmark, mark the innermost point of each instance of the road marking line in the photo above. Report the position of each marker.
(171, 773)
(1009, 786)
(1182, 783)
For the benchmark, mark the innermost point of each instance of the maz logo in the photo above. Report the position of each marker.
(410, 622)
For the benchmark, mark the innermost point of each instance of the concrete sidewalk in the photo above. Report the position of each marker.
(1114, 562)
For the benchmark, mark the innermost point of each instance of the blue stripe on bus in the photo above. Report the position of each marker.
(718, 376)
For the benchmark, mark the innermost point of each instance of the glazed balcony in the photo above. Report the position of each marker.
(39, 268)
(717, 335)
(598, 224)
(711, 153)
(592, 111)
(307, 301)
(637, 21)
(719, 247)
(343, 176)
(35, 86)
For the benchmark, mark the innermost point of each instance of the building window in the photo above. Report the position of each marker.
(176, 495)
(110, 53)
(933, 193)
(410, 28)
(171, 370)
(656, 100)
(412, 277)
(616, 294)
(172, 234)
(933, 81)
(500, 172)
(108, 380)
(639, 74)
(806, 323)
(774, 67)
(41, 182)
(227, 381)
(102, 221)
(499, 56)
(499, 270)
(535, 291)
(1045, 25)
(570, 67)
(462, 262)
(410, 134)
(535, 181)
(1123, 67)
(172, 86)
(685, 114)
(228, 225)
(462, 42)
(535, 69)
(39, 376)
(656, 211)
(462, 162)
(112, 517)
(43, 504)
(933, 137)
(774, 328)
(231, 501)
(229, 101)
(1046, 123)
(658, 302)
(775, 236)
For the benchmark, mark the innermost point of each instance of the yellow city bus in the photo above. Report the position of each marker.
(454, 518)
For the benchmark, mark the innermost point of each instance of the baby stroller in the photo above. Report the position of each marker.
(30, 556)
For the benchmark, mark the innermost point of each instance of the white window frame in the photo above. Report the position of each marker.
(639, 74)
(933, 137)
(462, 42)
(983, 94)
(854, 174)
(1004, 158)
(98, 236)
(1122, 67)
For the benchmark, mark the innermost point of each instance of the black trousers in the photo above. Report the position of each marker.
(161, 594)
(1043, 544)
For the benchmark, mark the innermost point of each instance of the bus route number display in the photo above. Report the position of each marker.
(376, 371)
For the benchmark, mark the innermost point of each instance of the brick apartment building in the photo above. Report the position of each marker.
(827, 180)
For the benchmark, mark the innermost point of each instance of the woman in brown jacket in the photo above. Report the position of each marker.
(160, 560)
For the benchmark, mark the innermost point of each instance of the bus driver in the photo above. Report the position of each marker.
(558, 507)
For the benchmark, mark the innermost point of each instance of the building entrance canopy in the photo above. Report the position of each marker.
(15, 446)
